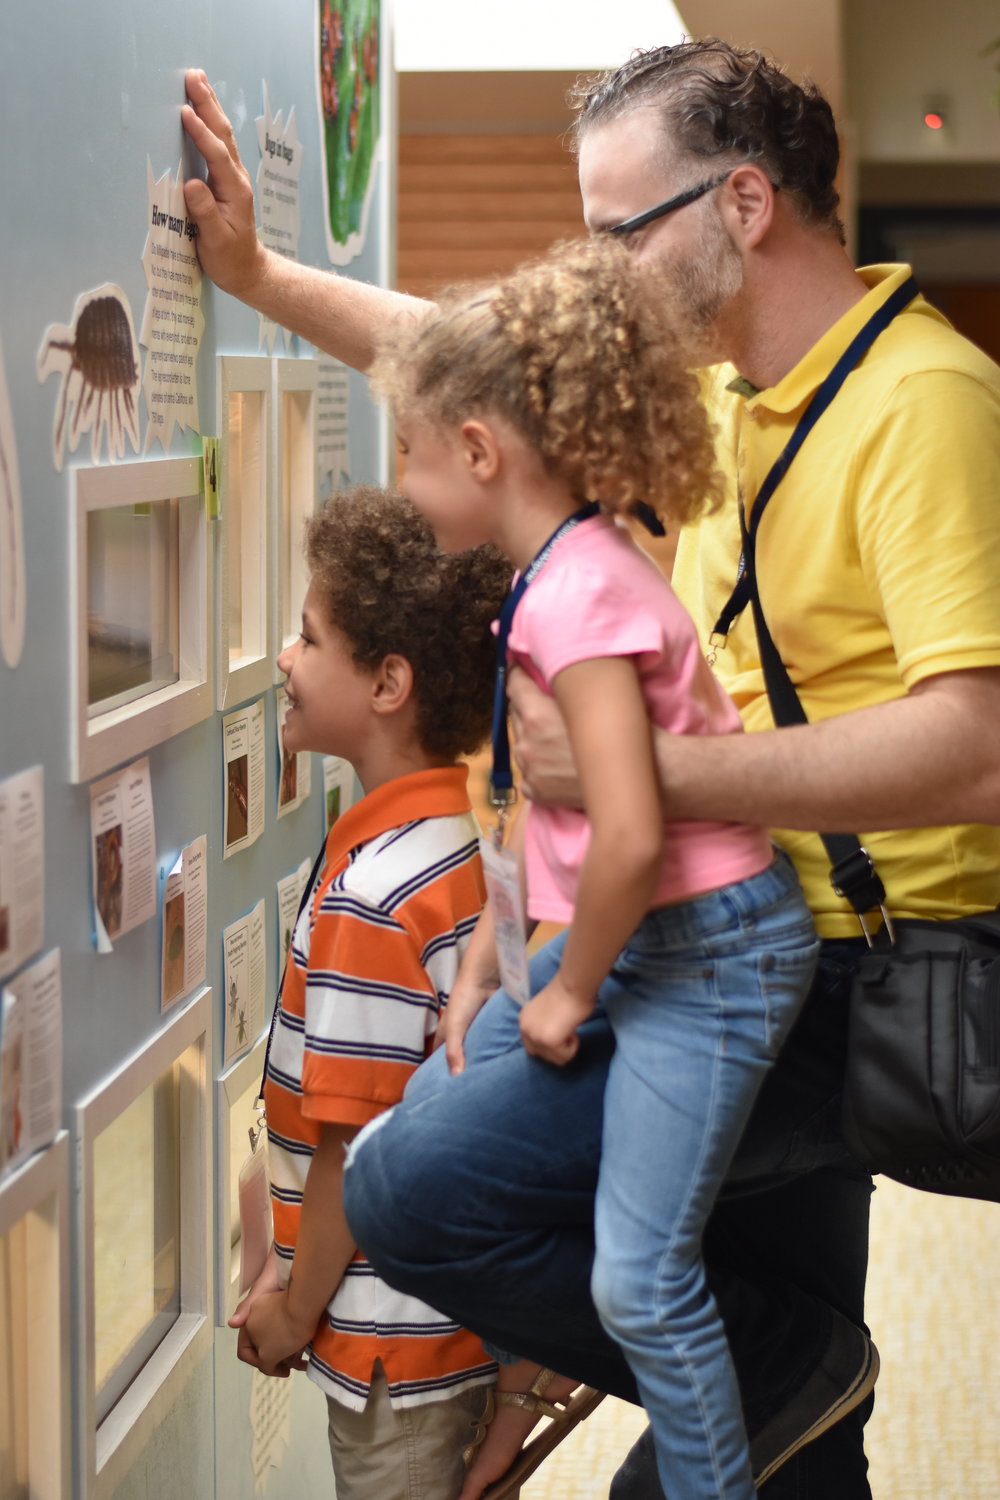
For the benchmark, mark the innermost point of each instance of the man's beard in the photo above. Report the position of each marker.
(705, 283)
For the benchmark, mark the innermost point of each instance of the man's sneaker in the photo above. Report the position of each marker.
(841, 1381)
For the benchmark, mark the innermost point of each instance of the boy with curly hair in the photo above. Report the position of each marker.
(392, 671)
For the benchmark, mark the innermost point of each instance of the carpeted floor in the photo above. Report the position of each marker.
(934, 1310)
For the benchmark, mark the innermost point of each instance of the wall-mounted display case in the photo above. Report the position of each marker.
(144, 1144)
(247, 530)
(140, 609)
(34, 1328)
(295, 488)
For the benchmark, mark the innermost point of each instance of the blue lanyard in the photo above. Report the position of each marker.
(859, 345)
(502, 792)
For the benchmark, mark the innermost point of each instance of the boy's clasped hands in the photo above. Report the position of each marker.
(269, 1337)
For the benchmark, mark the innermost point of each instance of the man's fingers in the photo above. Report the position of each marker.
(209, 112)
(221, 159)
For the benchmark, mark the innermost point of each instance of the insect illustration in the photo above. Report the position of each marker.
(99, 360)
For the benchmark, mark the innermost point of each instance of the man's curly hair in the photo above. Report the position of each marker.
(388, 587)
(580, 352)
(728, 104)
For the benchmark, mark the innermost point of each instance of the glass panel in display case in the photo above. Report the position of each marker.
(244, 519)
(34, 1328)
(14, 1475)
(133, 640)
(136, 1236)
(295, 415)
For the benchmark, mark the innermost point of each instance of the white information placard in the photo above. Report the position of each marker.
(173, 321)
(243, 750)
(185, 906)
(244, 955)
(22, 868)
(123, 852)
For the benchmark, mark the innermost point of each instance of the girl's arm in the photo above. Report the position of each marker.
(611, 740)
(281, 1323)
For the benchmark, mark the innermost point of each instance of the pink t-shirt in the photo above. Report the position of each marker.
(600, 595)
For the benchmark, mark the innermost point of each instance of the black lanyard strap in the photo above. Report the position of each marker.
(852, 355)
(310, 887)
(852, 870)
(502, 792)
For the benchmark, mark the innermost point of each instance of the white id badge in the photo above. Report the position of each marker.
(255, 1215)
(503, 884)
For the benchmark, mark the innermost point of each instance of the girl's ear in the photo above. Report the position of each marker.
(480, 448)
(392, 685)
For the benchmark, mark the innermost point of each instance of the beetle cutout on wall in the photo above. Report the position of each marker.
(13, 578)
(98, 358)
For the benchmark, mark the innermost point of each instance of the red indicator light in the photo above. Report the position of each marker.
(933, 121)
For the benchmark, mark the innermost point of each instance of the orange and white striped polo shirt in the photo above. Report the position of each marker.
(373, 958)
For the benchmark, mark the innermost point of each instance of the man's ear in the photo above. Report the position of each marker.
(749, 195)
(480, 449)
(392, 685)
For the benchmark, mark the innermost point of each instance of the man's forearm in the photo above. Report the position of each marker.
(346, 318)
(927, 759)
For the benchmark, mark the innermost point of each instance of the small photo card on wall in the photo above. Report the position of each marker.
(185, 906)
(338, 787)
(123, 852)
(245, 969)
(243, 751)
(295, 769)
(22, 867)
(290, 892)
(30, 1060)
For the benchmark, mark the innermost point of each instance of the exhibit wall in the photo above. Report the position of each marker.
(160, 447)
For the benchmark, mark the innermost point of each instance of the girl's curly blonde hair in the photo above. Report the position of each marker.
(580, 352)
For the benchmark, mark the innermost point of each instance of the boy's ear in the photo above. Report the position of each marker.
(481, 449)
(392, 685)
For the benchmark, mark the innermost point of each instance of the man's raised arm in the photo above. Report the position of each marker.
(347, 318)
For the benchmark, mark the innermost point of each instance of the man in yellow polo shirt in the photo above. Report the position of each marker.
(878, 574)
(877, 571)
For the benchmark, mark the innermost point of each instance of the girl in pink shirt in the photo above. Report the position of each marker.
(535, 414)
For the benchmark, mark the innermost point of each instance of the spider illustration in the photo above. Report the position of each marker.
(99, 361)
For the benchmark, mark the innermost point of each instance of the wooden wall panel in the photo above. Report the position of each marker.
(474, 206)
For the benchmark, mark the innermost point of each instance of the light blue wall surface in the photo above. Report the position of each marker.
(90, 91)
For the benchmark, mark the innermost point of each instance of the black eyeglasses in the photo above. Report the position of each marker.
(680, 200)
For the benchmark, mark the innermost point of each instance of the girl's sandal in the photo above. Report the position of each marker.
(565, 1415)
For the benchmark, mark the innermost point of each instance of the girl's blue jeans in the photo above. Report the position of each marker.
(477, 1193)
(700, 1002)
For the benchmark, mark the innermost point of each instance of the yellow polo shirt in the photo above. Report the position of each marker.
(878, 562)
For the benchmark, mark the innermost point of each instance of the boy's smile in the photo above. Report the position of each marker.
(328, 693)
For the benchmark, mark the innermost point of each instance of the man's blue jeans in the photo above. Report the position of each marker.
(477, 1194)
